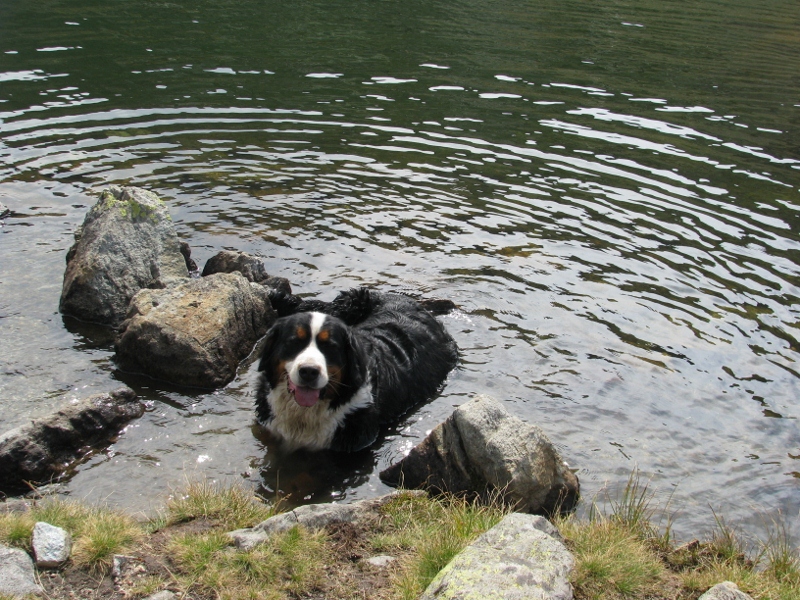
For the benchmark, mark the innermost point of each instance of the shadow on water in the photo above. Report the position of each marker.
(304, 477)
(89, 336)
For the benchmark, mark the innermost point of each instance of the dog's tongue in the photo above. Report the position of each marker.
(304, 396)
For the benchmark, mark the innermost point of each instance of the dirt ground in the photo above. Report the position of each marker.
(348, 575)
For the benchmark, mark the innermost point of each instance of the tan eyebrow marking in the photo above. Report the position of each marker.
(324, 335)
(301, 332)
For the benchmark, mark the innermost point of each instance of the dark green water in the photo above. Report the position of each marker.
(609, 190)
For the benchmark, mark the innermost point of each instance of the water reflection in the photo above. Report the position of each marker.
(309, 477)
(607, 195)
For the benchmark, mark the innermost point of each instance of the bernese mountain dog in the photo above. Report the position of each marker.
(334, 372)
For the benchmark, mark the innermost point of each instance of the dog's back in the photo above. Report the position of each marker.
(410, 353)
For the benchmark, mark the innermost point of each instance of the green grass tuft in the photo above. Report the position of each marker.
(611, 559)
(291, 562)
(229, 506)
(16, 529)
(98, 533)
(104, 534)
(434, 530)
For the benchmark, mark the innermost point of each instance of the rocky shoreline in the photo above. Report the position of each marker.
(128, 270)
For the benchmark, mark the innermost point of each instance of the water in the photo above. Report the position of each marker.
(610, 194)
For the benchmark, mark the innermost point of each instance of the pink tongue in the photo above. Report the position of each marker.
(304, 396)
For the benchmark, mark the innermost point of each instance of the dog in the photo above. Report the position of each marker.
(332, 374)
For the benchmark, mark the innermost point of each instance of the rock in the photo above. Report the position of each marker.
(3, 211)
(727, 590)
(248, 265)
(162, 595)
(518, 559)
(310, 516)
(51, 545)
(15, 506)
(481, 450)
(43, 449)
(194, 334)
(17, 576)
(381, 562)
(126, 569)
(43, 491)
(127, 242)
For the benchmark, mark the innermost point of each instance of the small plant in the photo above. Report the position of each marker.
(16, 529)
(98, 532)
(147, 586)
(104, 534)
(291, 562)
(434, 530)
(612, 559)
(727, 544)
(230, 506)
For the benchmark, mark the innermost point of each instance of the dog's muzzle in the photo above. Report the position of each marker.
(306, 393)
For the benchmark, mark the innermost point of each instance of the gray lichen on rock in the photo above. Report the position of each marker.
(127, 242)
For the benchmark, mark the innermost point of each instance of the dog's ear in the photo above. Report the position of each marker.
(270, 345)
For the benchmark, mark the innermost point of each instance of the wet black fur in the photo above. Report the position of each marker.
(389, 340)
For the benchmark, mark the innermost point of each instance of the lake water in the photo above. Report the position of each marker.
(608, 190)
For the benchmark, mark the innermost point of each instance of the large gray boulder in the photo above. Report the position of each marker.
(44, 448)
(194, 334)
(127, 242)
(230, 261)
(482, 450)
(17, 576)
(521, 558)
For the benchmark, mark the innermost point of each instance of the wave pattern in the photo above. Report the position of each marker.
(627, 265)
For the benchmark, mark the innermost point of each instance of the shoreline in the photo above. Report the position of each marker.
(186, 548)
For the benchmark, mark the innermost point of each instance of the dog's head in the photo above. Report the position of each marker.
(316, 356)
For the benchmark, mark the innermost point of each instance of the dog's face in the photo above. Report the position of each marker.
(315, 356)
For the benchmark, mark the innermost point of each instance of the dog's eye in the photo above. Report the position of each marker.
(325, 337)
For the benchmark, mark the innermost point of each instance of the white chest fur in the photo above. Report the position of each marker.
(310, 427)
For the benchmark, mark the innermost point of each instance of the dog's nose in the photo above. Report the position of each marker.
(309, 374)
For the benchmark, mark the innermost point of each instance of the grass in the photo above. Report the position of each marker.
(98, 532)
(228, 506)
(621, 553)
(624, 555)
(434, 531)
(291, 563)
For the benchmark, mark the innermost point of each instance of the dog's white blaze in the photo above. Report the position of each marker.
(310, 357)
(312, 427)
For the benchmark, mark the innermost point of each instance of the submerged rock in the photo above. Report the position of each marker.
(482, 450)
(46, 447)
(196, 333)
(249, 266)
(520, 558)
(127, 242)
